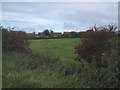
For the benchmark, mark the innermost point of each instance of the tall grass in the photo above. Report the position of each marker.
(39, 71)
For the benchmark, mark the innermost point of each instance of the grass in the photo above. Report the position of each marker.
(19, 69)
(44, 69)
(64, 48)
(17, 74)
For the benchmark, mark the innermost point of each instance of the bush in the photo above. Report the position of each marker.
(97, 43)
(14, 40)
(91, 76)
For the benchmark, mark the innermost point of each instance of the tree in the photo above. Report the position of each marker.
(74, 34)
(39, 34)
(51, 31)
(46, 32)
(51, 34)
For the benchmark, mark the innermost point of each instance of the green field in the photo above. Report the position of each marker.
(51, 65)
(63, 48)
(16, 73)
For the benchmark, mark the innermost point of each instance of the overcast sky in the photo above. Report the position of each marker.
(66, 16)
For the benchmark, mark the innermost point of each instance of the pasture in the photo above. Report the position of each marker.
(52, 65)
(62, 48)
(17, 72)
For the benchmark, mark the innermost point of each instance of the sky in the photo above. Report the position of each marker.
(58, 16)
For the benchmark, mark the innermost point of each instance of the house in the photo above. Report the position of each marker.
(30, 35)
(41, 35)
(89, 31)
(66, 34)
(57, 34)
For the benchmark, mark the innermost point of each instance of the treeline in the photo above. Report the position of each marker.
(50, 34)
(18, 40)
(14, 40)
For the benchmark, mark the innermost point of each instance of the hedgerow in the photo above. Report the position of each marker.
(14, 40)
(98, 43)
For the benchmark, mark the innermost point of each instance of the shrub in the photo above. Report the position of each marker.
(96, 43)
(91, 76)
(14, 40)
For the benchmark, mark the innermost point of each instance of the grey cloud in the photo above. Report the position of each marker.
(70, 13)
(94, 13)
(69, 26)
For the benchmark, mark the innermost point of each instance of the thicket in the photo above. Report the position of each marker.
(99, 46)
(14, 40)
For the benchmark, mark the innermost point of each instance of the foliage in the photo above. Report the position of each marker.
(41, 60)
(97, 43)
(56, 68)
(74, 34)
(39, 71)
(14, 40)
(46, 32)
(71, 34)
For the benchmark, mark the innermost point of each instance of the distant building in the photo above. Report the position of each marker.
(42, 35)
(66, 34)
(37, 36)
(57, 34)
(89, 31)
(30, 35)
